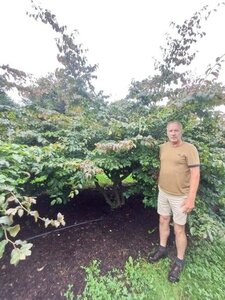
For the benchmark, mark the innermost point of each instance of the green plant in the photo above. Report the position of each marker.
(14, 202)
(205, 263)
(11, 206)
(70, 135)
(69, 295)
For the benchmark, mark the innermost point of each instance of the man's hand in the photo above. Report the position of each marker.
(188, 205)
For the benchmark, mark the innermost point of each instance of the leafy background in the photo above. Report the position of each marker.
(65, 137)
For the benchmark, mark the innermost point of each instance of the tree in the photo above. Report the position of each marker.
(63, 144)
(70, 84)
(173, 79)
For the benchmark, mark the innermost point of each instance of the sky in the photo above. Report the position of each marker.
(122, 36)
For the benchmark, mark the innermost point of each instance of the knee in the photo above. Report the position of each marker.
(164, 220)
(179, 229)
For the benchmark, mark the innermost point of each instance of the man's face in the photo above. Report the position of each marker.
(174, 133)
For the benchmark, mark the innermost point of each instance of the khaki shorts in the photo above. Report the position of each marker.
(171, 205)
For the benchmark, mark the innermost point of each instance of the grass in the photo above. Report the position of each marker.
(202, 278)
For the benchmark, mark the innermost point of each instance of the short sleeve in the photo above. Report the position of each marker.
(193, 157)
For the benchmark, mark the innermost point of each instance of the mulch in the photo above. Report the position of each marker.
(58, 258)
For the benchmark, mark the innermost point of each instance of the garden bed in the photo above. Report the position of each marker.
(59, 255)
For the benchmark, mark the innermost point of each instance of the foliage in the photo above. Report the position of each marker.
(14, 203)
(70, 84)
(193, 101)
(141, 280)
(119, 160)
(69, 293)
(5, 101)
(66, 136)
(173, 78)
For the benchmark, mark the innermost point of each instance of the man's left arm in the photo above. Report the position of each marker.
(189, 202)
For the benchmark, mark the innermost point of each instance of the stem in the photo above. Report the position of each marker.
(7, 239)
(24, 208)
(103, 192)
(213, 67)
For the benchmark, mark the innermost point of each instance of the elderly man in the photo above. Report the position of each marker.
(178, 184)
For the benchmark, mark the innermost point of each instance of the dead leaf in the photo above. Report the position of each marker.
(40, 269)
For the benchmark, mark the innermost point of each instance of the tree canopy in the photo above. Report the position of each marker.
(66, 137)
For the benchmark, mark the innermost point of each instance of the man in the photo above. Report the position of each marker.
(178, 184)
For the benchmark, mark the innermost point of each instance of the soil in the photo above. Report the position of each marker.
(95, 232)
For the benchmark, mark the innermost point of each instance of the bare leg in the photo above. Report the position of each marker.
(181, 240)
(164, 229)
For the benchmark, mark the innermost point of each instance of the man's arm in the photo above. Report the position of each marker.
(189, 202)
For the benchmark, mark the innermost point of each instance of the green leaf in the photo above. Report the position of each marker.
(17, 158)
(13, 231)
(3, 178)
(35, 214)
(4, 163)
(18, 254)
(5, 220)
(19, 242)
(26, 248)
(7, 188)
(20, 212)
(2, 247)
(12, 211)
(40, 179)
(2, 199)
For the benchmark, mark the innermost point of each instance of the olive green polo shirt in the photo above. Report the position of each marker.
(175, 164)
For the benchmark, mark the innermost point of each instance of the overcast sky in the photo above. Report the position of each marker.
(122, 36)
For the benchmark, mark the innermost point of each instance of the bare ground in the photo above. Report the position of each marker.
(57, 257)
